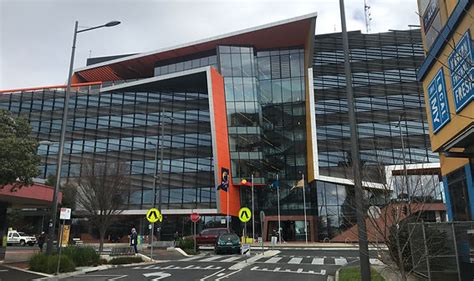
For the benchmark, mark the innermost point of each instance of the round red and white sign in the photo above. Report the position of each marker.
(195, 217)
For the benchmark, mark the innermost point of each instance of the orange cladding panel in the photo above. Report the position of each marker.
(222, 142)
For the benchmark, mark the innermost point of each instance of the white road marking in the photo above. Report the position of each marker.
(217, 272)
(226, 276)
(273, 260)
(300, 270)
(319, 261)
(295, 261)
(191, 258)
(118, 277)
(277, 269)
(211, 258)
(340, 261)
(159, 274)
(231, 259)
(3, 270)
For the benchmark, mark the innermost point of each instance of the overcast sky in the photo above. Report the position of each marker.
(36, 35)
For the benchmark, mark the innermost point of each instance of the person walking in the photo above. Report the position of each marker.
(41, 240)
(134, 240)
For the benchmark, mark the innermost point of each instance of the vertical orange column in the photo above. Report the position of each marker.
(222, 142)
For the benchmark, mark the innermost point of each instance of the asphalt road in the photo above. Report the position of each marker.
(284, 265)
(9, 274)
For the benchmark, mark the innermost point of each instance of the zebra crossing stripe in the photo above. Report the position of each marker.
(319, 261)
(273, 260)
(212, 258)
(295, 261)
(231, 259)
(191, 258)
(340, 261)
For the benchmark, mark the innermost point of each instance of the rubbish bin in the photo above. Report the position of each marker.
(274, 240)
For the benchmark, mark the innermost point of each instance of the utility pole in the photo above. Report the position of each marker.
(360, 206)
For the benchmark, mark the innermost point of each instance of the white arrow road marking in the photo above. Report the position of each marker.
(159, 274)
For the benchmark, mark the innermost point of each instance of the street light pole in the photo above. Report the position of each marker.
(399, 125)
(360, 205)
(154, 198)
(54, 209)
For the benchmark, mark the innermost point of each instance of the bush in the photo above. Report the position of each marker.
(187, 245)
(125, 260)
(82, 256)
(48, 264)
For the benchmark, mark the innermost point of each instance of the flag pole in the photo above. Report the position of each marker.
(227, 194)
(304, 208)
(253, 214)
(278, 204)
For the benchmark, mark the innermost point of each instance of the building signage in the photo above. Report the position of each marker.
(462, 72)
(430, 14)
(65, 214)
(438, 101)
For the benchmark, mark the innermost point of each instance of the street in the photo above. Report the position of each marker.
(284, 264)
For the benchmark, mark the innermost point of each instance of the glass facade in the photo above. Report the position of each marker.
(385, 89)
(125, 126)
(265, 100)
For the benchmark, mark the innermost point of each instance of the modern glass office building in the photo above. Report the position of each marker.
(265, 103)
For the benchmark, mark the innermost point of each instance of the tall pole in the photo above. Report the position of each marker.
(278, 206)
(228, 217)
(404, 158)
(54, 209)
(154, 199)
(363, 244)
(304, 209)
(253, 214)
(161, 158)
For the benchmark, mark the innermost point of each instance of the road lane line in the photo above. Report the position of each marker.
(273, 260)
(295, 261)
(215, 273)
(192, 258)
(226, 276)
(318, 261)
(299, 270)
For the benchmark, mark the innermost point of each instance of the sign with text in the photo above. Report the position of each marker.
(65, 214)
(438, 99)
(462, 71)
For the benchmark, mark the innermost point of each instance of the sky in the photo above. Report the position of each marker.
(36, 35)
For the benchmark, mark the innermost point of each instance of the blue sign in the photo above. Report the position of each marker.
(462, 72)
(438, 101)
(430, 14)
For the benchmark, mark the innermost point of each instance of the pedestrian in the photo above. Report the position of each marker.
(41, 240)
(134, 240)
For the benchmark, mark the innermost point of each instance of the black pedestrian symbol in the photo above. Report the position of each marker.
(244, 214)
(153, 214)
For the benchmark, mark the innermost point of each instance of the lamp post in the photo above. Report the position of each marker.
(160, 146)
(54, 208)
(403, 155)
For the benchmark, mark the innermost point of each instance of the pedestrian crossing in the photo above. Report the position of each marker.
(278, 259)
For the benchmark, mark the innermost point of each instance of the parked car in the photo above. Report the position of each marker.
(20, 238)
(228, 243)
(209, 236)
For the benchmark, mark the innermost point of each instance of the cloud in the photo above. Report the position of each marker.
(36, 35)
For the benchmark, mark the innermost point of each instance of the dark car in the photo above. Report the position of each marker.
(228, 243)
(209, 236)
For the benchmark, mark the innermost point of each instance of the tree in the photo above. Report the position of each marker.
(100, 193)
(18, 159)
(68, 189)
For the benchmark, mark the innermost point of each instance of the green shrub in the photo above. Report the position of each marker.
(125, 260)
(186, 244)
(48, 264)
(351, 273)
(82, 256)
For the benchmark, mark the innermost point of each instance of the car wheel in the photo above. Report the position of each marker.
(22, 243)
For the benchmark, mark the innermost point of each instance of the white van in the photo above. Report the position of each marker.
(14, 238)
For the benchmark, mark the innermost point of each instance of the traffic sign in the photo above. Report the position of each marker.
(65, 214)
(153, 215)
(195, 217)
(245, 214)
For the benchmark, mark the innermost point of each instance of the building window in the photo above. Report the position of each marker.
(457, 186)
